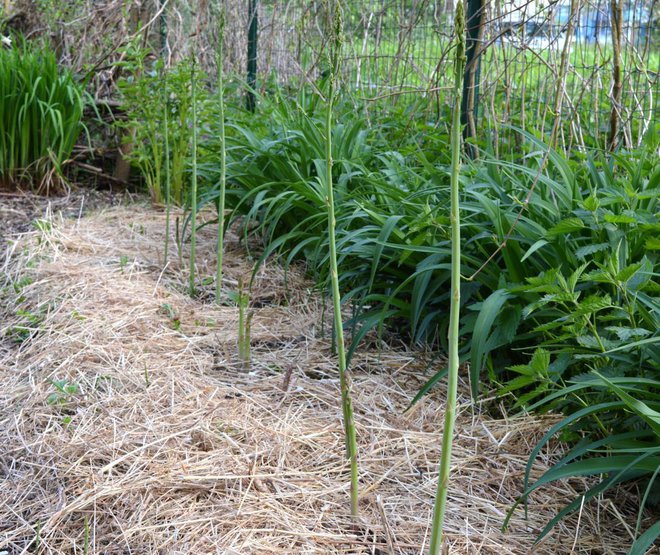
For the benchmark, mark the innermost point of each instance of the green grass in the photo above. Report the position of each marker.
(40, 116)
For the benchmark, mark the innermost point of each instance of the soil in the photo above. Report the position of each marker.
(19, 209)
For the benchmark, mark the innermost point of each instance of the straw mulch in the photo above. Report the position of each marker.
(127, 424)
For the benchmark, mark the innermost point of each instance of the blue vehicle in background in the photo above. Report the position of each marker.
(541, 27)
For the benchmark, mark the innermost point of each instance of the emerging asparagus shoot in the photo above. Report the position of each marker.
(244, 325)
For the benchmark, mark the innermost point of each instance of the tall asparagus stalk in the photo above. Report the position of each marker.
(166, 132)
(223, 158)
(450, 410)
(193, 188)
(344, 379)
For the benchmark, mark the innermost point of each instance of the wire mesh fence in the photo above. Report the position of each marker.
(592, 64)
(581, 73)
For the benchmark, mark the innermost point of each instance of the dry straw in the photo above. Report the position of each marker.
(167, 446)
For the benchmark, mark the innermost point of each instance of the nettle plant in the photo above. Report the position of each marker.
(578, 282)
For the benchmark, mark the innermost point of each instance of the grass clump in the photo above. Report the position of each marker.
(40, 116)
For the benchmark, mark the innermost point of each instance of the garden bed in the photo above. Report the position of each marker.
(128, 424)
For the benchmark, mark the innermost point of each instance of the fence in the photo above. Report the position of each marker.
(584, 73)
(593, 63)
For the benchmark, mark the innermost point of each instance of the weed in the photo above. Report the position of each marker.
(64, 392)
(172, 315)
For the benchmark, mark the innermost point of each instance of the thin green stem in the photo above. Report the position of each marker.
(168, 200)
(86, 536)
(242, 324)
(450, 410)
(223, 161)
(344, 379)
(193, 189)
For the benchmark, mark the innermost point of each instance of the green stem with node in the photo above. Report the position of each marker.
(193, 188)
(344, 379)
(450, 410)
(223, 159)
(166, 134)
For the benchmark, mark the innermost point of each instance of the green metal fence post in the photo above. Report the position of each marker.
(475, 21)
(163, 29)
(252, 54)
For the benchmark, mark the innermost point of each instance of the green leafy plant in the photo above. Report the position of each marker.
(29, 325)
(582, 289)
(64, 393)
(579, 277)
(618, 432)
(171, 314)
(40, 116)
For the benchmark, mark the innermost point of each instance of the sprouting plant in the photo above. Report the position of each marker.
(172, 315)
(64, 392)
(178, 238)
(244, 324)
(123, 261)
(223, 159)
(86, 536)
(42, 225)
(77, 315)
(19, 284)
(37, 535)
(335, 19)
(141, 102)
(23, 331)
(158, 105)
(455, 298)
